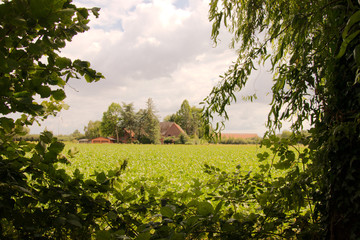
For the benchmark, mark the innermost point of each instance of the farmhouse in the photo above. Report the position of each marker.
(103, 140)
(127, 136)
(170, 129)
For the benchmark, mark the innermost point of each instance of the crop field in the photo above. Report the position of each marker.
(177, 165)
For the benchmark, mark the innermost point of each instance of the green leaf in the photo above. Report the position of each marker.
(95, 11)
(205, 209)
(193, 203)
(218, 207)
(57, 147)
(72, 152)
(60, 221)
(44, 91)
(103, 235)
(46, 137)
(191, 221)
(352, 20)
(81, 64)
(143, 236)
(178, 236)
(101, 177)
(7, 123)
(167, 212)
(63, 62)
(346, 42)
(75, 223)
(59, 94)
(357, 55)
(73, 220)
(112, 215)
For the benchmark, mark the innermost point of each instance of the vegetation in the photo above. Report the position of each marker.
(93, 129)
(189, 119)
(255, 140)
(37, 199)
(177, 165)
(307, 192)
(142, 126)
(110, 124)
(312, 47)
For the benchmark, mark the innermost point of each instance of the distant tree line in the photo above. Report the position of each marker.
(143, 126)
(119, 119)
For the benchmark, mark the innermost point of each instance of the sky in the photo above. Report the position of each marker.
(159, 49)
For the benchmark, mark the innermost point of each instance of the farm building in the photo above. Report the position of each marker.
(84, 140)
(170, 129)
(127, 136)
(103, 140)
(239, 135)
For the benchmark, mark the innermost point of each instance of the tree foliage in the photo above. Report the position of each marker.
(312, 47)
(189, 119)
(38, 200)
(111, 121)
(93, 129)
(150, 127)
(128, 117)
(119, 120)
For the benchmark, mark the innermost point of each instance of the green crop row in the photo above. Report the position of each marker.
(178, 165)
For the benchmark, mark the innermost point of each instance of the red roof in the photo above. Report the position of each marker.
(239, 135)
(169, 129)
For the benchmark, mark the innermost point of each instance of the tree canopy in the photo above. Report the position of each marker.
(111, 121)
(93, 129)
(34, 194)
(189, 118)
(122, 119)
(313, 49)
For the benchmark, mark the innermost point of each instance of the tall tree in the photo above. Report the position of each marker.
(93, 129)
(128, 117)
(139, 124)
(111, 121)
(197, 121)
(150, 130)
(189, 118)
(313, 48)
(185, 117)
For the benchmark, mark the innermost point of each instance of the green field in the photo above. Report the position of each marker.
(178, 165)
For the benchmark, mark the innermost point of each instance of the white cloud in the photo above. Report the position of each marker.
(160, 49)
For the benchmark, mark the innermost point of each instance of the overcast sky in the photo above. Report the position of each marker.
(159, 49)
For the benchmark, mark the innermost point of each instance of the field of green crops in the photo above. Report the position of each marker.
(177, 165)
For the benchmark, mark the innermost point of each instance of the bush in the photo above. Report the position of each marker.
(182, 139)
(170, 140)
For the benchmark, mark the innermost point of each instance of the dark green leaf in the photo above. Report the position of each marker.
(205, 208)
(44, 91)
(167, 212)
(58, 94)
(63, 62)
(101, 177)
